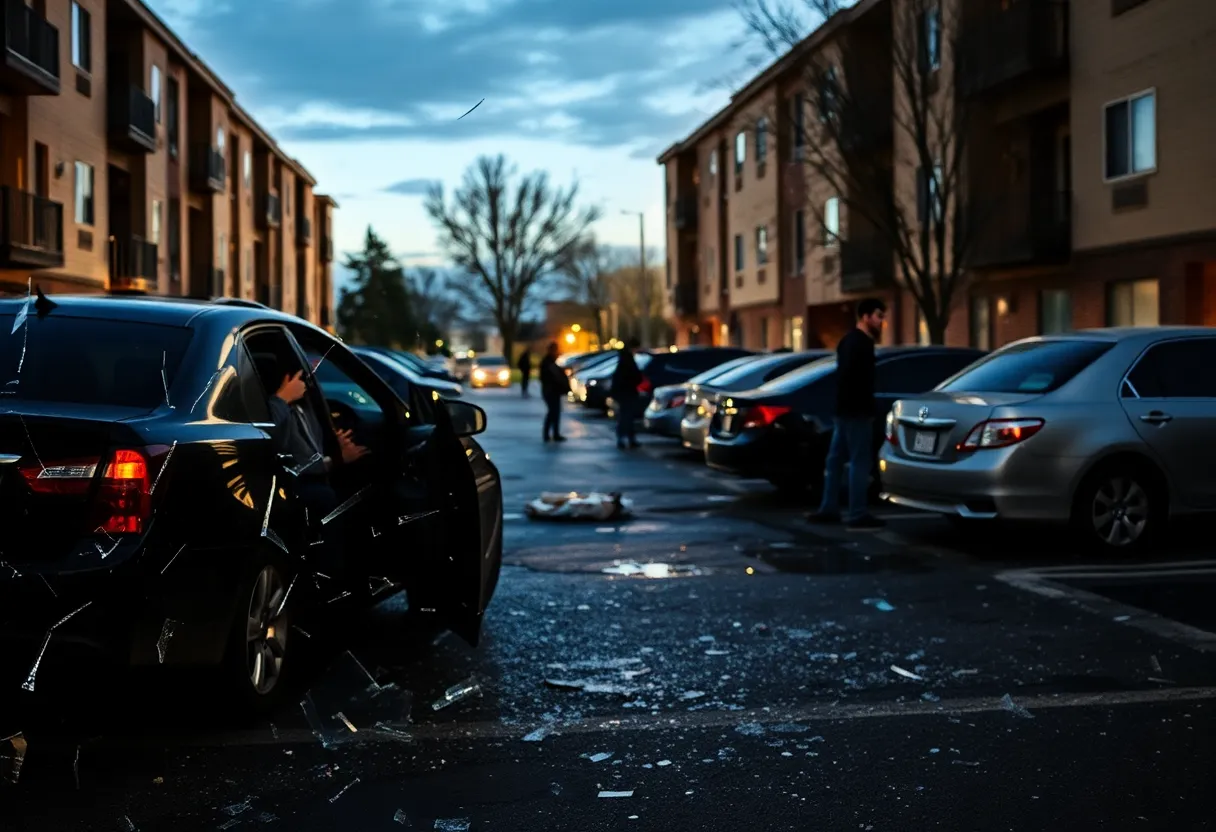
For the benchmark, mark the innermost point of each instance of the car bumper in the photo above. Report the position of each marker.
(477, 385)
(693, 433)
(663, 422)
(1006, 483)
(755, 455)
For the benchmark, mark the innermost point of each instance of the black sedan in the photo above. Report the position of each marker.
(780, 431)
(401, 375)
(659, 368)
(417, 364)
(152, 520)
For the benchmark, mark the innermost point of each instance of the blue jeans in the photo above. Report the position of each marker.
(626, 413)
(852, 438)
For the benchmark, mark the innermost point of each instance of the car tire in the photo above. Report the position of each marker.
(258, 669)
(1121, 508)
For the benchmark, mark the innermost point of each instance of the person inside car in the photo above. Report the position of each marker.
(299, 433)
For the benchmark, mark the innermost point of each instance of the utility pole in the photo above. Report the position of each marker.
(644, 286)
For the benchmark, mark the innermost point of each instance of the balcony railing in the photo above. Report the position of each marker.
(1024, 229)
(866, 263)
(31, 51)
(303, 231)
(208, 173)
(1028, 37)
(31, 230)
(133, 264)
(272, 216)
(133, 119)
(686, 213)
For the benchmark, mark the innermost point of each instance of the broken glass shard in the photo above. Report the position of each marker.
(600, 756)
(238, 808)
(452, 825)
(125, 824)
(402, 819)
(32, 677)
(350, 503)
(376, 584)
(750, 729)
(162, 643)
(1014, 708)
(907, 674)
(457, 693)
(344, 790)
(273, 537)
(617, 794)
(879, 604)
(164, 464)
(173, 559)
(592, 686)
(539, 734)
(347, 697)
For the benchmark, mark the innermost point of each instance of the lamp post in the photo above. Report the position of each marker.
(643, 277)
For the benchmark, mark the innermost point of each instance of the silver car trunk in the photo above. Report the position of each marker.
(932, 426)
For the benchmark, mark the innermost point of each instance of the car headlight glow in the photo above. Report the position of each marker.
(480, 375)
(503, 375)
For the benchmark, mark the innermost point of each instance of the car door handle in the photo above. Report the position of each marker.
(1156, 417)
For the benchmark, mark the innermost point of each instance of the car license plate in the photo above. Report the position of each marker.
(924, 442)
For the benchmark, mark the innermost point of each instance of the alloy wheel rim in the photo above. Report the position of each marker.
(266, 631)
(1120, 511)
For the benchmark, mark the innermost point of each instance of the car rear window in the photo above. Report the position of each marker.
(801, 377)
(722, 370)
(1034, 367)
(492, 361)
(90, 360)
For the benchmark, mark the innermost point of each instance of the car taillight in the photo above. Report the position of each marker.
(762, 416)
(891, 437)
(1000, 433)
(676, 401)
(645, 386)
(123, 504)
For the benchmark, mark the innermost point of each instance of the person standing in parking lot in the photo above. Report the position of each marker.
(554, 385)
(525, 371)
(853, 427)
(626, 379)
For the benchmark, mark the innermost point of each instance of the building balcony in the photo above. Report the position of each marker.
(326, 249)
(684, 299)
(1025, 229)
(1027, 39)
(206, 281)
(31, 231)
(866, 263)
(133, 119)
(133, 264)
(208, 173)
(272, 214)
(685, 213)
(303, 231)
(31, 52)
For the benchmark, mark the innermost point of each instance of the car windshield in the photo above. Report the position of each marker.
(492, 361)
(91, 361)
(1032, 367)
(801, 377)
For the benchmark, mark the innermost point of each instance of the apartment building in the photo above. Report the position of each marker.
(127, 165)
(1088, 179)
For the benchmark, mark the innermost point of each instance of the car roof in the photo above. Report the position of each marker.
(153, 309)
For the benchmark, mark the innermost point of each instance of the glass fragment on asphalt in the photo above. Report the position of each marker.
(617, 794)
(1014, 708)
(266, 817)
(790, 728)
(592, 686)
(750, 729)
(539, 734)
(162, 642)
(689, 695)
(880, 604)
(347, 701)
(76, 768)
(457, 693)
(555, 789)
(344, 790)
(717, 652)
(238, 808)
(966, 671)
(452, 825)
(377, 584)
(633, 569)
(663, 763)
(599, 757)
(125, 824)
(402, 819)
(229, 824)
(964, 763)
(907, 674)
(12, 757)
(930, 696)
(1154, 664)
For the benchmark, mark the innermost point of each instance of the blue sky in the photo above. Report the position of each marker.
(366, 93)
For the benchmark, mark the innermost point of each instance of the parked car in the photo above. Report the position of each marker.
(401, 377)
(422, 366)
(150, 514)
(572, 359)
(490, 371)
(701, 399)
(780, 431)
(1107, 429)
(460, 365)
(667, 403)
(579, 372)
(664, 367)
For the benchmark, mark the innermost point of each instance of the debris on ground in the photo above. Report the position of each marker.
(579, 506)
(633, 569)
(591, 686)
(1014, 708)
(907, 674)
(347, 703)
(457, 693)
(880, 604)
(617, 794)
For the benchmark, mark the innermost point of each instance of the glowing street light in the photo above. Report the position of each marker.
(576, 328)
(569, 337)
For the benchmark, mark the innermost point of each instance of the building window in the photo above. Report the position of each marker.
(793, 333)
(761, 245)
(1131, 136)
(155, 234)
(82, 38)
(798, 139)
(287, 201)
(1055, 311)
(172, 116)
(738, 252)
(828, 96)
(929, 193)
(931, 40)
(981, 323)
(761, 142)
(248, 162)
(922, 328)
(84, 194)
(764, 333)
(831, 221)
(220, 140)
(175, 239)
(713, 162)
(154, 90)
(740, 151)
(799, 237)
(1132, 303)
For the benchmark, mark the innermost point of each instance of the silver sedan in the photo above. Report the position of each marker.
(1108, 429)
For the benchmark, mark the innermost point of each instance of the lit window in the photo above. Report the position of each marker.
(831, 221)
(1133, 303)
(156, 206)
(84, 194)
(761, 142)
(82, 37)
(1131, 136)
(761, 245)
(740, 151)
(154, 90)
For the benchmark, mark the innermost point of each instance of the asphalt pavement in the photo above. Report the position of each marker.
(712, 662)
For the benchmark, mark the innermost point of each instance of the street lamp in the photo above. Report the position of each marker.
(643, 276)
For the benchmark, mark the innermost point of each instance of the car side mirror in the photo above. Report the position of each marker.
(467, 419)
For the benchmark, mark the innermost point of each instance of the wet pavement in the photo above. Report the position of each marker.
(710, 663)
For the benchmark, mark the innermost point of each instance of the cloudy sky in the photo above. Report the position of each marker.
(366, 93)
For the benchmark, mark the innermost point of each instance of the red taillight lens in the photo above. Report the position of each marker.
(676, 401)
(645, 386)
(1000, 433)
(762, 416)
(891, 434)
(124, 502)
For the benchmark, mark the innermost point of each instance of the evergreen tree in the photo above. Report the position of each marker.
(375, 309)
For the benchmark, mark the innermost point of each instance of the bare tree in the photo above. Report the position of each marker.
(432, 302)
(586, 271)
(508, 233)
(856, 95)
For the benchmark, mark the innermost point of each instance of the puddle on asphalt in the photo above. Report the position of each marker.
(632, 569)
(833, 560)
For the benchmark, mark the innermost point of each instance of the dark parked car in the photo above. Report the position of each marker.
(780, 431)
(400, 374)
(151, 515)
(662, 415)
(417, 364)
(663, 367)
(700, 401)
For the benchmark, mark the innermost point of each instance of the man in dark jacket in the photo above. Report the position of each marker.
(525, 371)
(853, 427)
(626, 379)
(554, 385)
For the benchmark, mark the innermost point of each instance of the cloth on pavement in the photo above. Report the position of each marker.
(575, 506)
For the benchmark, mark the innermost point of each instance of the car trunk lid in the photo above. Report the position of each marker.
(932, 426)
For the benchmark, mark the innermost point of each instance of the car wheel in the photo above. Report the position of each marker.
(258, 661)
(1120, 508)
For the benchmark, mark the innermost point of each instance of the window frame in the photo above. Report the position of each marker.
(1113, 285)
(761, 142)
(1126, 383)
(156, 90)
(81, 23)
(831, 236)
(978, 302)
(740, 151)
(157, 222)
(761, 245)
(798, 261)
(1043, 294)
(1131, 174)
(173, 117)
(932, 34)
(84, 203)
(740, 254)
